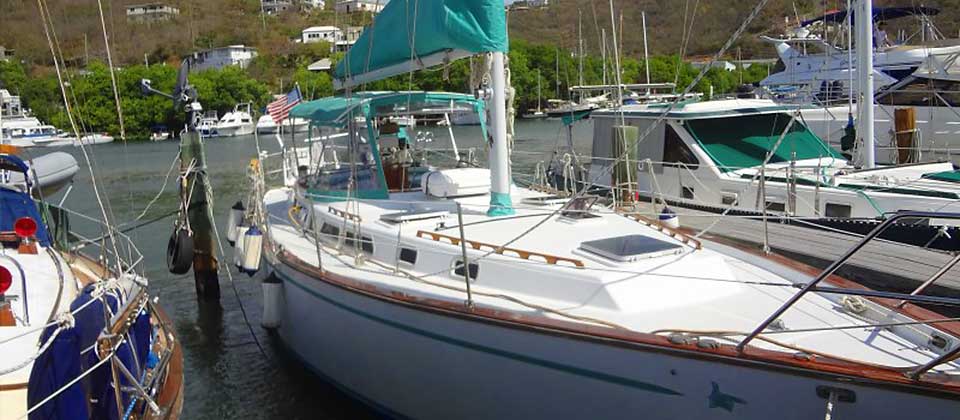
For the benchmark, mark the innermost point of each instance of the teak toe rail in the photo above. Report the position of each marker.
(550, 259)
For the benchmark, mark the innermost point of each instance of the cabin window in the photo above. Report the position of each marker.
(837, 210)
(687, 193)
(408, 255)
(676, 151)
(776, 206)
(329, 231)
(473, 270)
(366, 242)
(729, 198)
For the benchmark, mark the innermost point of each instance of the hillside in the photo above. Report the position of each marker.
(209, 23)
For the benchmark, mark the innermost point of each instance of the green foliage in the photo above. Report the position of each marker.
(220, 90)
(313, 85)
(91, 93)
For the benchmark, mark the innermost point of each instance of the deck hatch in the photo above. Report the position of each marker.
(631, 248)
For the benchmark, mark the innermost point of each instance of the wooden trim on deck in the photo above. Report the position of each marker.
(522, 254)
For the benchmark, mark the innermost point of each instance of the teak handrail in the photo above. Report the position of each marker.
(550, 259)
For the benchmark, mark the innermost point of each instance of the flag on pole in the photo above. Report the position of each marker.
(279, 109)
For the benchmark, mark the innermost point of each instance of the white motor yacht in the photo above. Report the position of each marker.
(266, 125)
(208, 124)
(238, 122)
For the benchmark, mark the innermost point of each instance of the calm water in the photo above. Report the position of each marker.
(227, 376)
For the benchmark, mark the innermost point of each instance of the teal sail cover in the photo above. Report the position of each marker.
(439, 31)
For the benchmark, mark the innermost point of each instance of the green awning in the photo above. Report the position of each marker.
(441, 31)
(335, 111)
(744, 141)
(946, 176)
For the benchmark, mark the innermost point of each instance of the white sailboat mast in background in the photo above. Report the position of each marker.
(864, 23)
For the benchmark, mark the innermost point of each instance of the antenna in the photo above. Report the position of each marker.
(183, 94)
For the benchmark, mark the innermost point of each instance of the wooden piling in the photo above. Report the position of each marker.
(204, 258)
(905, 123)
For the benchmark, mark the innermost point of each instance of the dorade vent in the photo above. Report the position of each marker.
(631, 248)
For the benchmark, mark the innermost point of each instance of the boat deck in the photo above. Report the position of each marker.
(880, 265)
(710, 289)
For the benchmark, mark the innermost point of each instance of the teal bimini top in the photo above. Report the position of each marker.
(367, 174)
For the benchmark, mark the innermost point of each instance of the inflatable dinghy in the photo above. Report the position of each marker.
(51, 171)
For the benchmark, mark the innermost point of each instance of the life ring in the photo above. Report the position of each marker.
(180, 251)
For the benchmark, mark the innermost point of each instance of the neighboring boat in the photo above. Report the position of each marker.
(67, 314)
(208, 124)
(538, 112)
(62, 139)
(39, 135)
(238, 122)
(815, 67)
(160, 133)
(50, 172)
(926, 128)
(711, 155)
(266, 125)
(15, 121)
(433, 296)
(558, 108)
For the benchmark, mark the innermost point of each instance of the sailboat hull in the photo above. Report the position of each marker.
(414, 359)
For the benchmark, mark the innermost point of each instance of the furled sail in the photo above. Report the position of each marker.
(417, 34)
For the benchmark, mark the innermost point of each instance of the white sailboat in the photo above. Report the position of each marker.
(427, 293)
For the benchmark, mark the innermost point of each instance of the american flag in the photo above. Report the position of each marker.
(279, 109)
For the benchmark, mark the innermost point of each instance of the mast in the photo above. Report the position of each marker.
(603, 52)
(865, 73)
(646, 56)
(539, 98)
(500, 202)
(580, 45)
(557, 73)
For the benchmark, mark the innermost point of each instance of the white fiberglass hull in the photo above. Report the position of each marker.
(938, 129)
(266, 125)
(234, 130)
(410, 361)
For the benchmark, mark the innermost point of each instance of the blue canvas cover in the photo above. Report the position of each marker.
(16, 204)
(56, 367)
